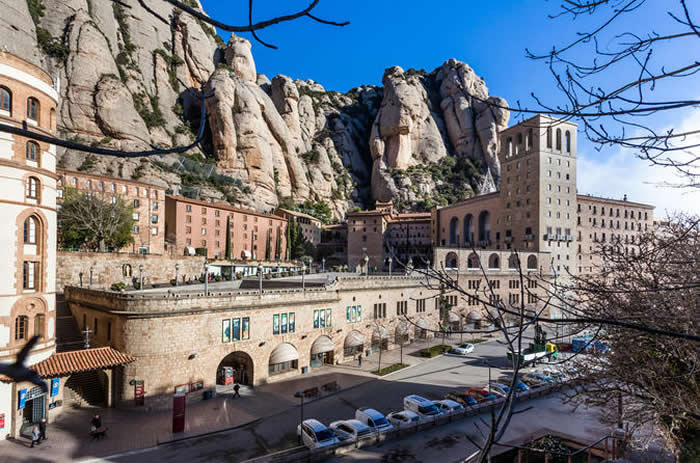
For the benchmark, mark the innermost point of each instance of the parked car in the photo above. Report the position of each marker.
(499, 387)
(351, 430)
(462, 349)
(448, 406)
(315, 434)
(494, 390)
(520, 386)
(425, 408)
(531, 381)
(403, 418)
(374, 419)
(539, 377)
(481, 395)
(553, 373)
(462, 397)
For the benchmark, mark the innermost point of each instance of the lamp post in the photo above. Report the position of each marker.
(260, 277)
(390, 260)
(486, 362)
(300, 395)
(206, 277)
(303, 275)
(91, 268)
(141, 277)
(177, 271)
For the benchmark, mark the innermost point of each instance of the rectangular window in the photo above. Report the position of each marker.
(283, 323)
(236, 329)
(29, 280)
(292, 326)
(155, 206)
(328, 317)
(154, 231)
(188, 208)
(135, 216)
(154, 219)
(204, 231)
(136, 228)
(245, 328)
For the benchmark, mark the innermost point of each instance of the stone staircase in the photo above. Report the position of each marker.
(86, 389)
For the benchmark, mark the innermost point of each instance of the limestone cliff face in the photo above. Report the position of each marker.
(127, 78)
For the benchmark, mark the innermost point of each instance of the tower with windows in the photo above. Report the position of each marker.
(28, 95)
(538, 188)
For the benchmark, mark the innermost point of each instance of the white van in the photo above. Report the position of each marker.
(373, 419)
(423, 407)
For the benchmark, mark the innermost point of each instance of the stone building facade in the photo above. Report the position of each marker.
(310, 225)
(28, 95)
(148, 201)
(334, 244)
(192, 224)
(381, 233)
(183, 338)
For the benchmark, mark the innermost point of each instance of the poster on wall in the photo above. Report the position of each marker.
(226, 330)
(315, 318)
(328, 318)
(359, 313)
(276, 324)
(284, 323)
(54, 386)
(322, 318)
(21, 399)
(347, 313)
(291, 322)
(353, 314)
(182, 389)
(245, 329)
(236, 329)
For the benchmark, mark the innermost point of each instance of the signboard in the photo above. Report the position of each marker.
(291, 322)
(245, 328)
(22, 399)
(328, 318)
(316, 319)
(182, 389)
(236, 329)
(284, 323)
(322, 318)
(54, 386)
(226, 330)
(276, 324)
(197, 385)
(2, 420)
(139, 392)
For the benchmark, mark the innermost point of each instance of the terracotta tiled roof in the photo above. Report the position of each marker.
(67, 363)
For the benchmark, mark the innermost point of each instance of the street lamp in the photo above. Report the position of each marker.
(177, 271)
(206, 277)
(260, 277)
(303, 275)
(486, 362)
(300, 395)
(390, 260)
(91, 275)
(141, 277)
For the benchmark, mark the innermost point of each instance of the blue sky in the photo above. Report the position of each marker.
(491, 36)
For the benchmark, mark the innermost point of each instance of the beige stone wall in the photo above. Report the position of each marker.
(109, 268)
(178, 339)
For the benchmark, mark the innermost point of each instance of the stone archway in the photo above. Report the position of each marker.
(243, 371)
(322, 352)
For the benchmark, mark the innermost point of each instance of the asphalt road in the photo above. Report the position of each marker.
(432, 379)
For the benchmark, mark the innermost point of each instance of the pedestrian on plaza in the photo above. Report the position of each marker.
(359, 360)
(95, 423)
(42, 428)
(236, 388)
(36, 436)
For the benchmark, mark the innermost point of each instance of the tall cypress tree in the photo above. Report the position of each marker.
(229, 251)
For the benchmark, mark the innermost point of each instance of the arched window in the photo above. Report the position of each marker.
(528, 139)
(32, 151)
(21, 326)
(32, 188)
(549, 137)
(40, 325)
(468, 229)
(473, 261)
(451, 261)
(30, 230)
(484, 227)
(494, 262)
(519, 144)
(52, 115)
(33, 109)
(513, 262)
(532, 263)
(453, 230)
(509, 147)
(6, 99)
(567, 141)
(559, 139)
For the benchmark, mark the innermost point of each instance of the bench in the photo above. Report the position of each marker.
(331, 387)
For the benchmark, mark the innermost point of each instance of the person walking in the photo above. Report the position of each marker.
(36, 436)
(95, 422)
(42, 429)
(236, 388)
(359, 360)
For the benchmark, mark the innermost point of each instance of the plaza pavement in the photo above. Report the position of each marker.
(138, 428)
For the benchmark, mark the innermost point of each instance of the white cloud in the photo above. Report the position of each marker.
(618, 173)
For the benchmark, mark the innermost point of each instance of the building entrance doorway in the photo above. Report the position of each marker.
(242, 365)
(322, 352)
(34, 409)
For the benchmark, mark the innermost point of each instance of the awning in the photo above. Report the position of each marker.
(322, 344)
(452, 317)
(422, 324)
(380, 333)
(354, 339)
(190, 251)
(67, 363)
(474, 316)
(245, 254)
(283, 353)
(402, 329)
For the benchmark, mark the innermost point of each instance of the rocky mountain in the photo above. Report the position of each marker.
(130, 74)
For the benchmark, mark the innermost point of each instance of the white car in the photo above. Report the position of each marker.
(495, 390)
(448, 406)
(315, 434)
(403, 418)
(373, 419)
(462, 349)
(351, 430)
